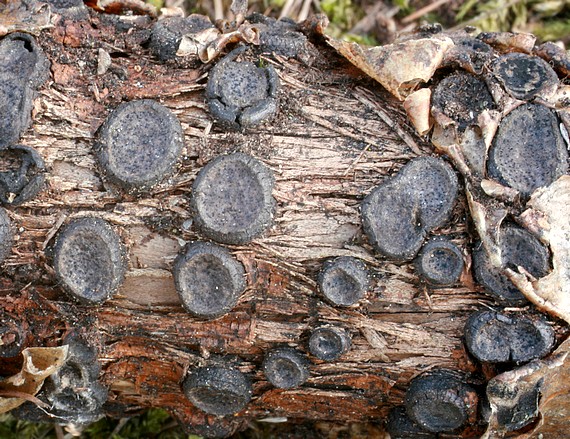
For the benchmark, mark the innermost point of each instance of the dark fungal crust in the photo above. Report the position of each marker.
(518, 248)
(286, 368)
(218, 390)
(344, 280)
(518, 406)
(440, 401)
(528, 150)
(232, 199)
(6, 234)
(208, 280)
(439, 262)
(400, 426)
(24, 176)
(89, 260)
(329, 343)
(139, 144)
(524, 76)
(495, 337)
(462, 97)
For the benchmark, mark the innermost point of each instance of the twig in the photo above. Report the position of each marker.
(118, 427)
(305, 9)
(423, 11)
(218, 10)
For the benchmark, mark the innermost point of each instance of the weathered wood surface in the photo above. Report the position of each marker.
(328, 147)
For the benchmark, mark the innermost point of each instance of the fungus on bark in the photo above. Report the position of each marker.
(439, 262)
(24, 176)
(286, 368)
(166, 34)
(400, 426)
(344, 280)
(12, 336)
(6, 234)
(329, 343)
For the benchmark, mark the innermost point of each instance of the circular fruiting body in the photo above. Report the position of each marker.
(88, 259)
(6, 234)
(524, 76)
(24, 177)
(218, 390)
(462, 97)
(12, 336)
(286, 368)
(518, 248)
(400, 426)
(344, 280)
(528, 150)
(329, 343)
(440, 401)
(209, 281)
(167, 34)
(139, 144)
(439, 262)
(495, 337)
(240, 94)
(232, 200)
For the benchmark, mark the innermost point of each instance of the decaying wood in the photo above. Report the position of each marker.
(337, 135)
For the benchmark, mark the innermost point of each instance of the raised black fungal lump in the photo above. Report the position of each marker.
(400, 426)
(241, 94)
(6, 235)
(218, 390)
(89, 260)
(524, 76)
(329, 343)
(528, 150)
(167, 34)
(462, 97)
(398, 214)
(286, 368)
(518, 248)
(232, 199)
(23, 69)
(344, 280)
(209, 281)
(440, 262)
(495, 337)
(22, 176)
(440, 401)
(139, 144)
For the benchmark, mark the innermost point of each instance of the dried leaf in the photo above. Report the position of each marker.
(38, 364)
(24, 15)
(417, 106)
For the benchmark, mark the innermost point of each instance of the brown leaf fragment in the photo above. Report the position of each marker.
(399, 67)
(509, 41)
(417, 106)
(38, 364)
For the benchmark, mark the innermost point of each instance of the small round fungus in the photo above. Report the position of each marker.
(400, 426)
(139, 144)
(518, 248)
(218, 390)
(88, 259)
(440, 262)
(495, 337)
(167, 34)
(231, 199)
(24, 174)
(518, 404)
(329, 343)
(462, 97)
(344, 281)
(528, 150)
(524, 76)
(286, 368)
(209, 281)
(6, 234)
(440, 401)
(240, 94)
(12, 336)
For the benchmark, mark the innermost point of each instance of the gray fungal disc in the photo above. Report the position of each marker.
(524, 76)
(88, 259)
(400, 426)
(218, 390)
(24, 177)
(329, 343)
(433, 183)
(286, 368)
(139, 144)
(209, 281)
(440, 262)
(232, 199)
(391, 220)
(528, 150)
(6, 234)
(495, 337)
(344, 281)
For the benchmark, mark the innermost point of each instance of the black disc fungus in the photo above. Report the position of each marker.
(344, 281)
(24, 174)
(218, 390)
(139, 145)
(518, 248)
(6, 234)
(88, 259)
(232, 200)
(286, 367)
(439, 262)
(329, 343)
(400, 426)
(209, 281)
(495, 337)
(528, 150)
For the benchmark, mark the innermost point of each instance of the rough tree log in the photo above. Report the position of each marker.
(337, 135)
